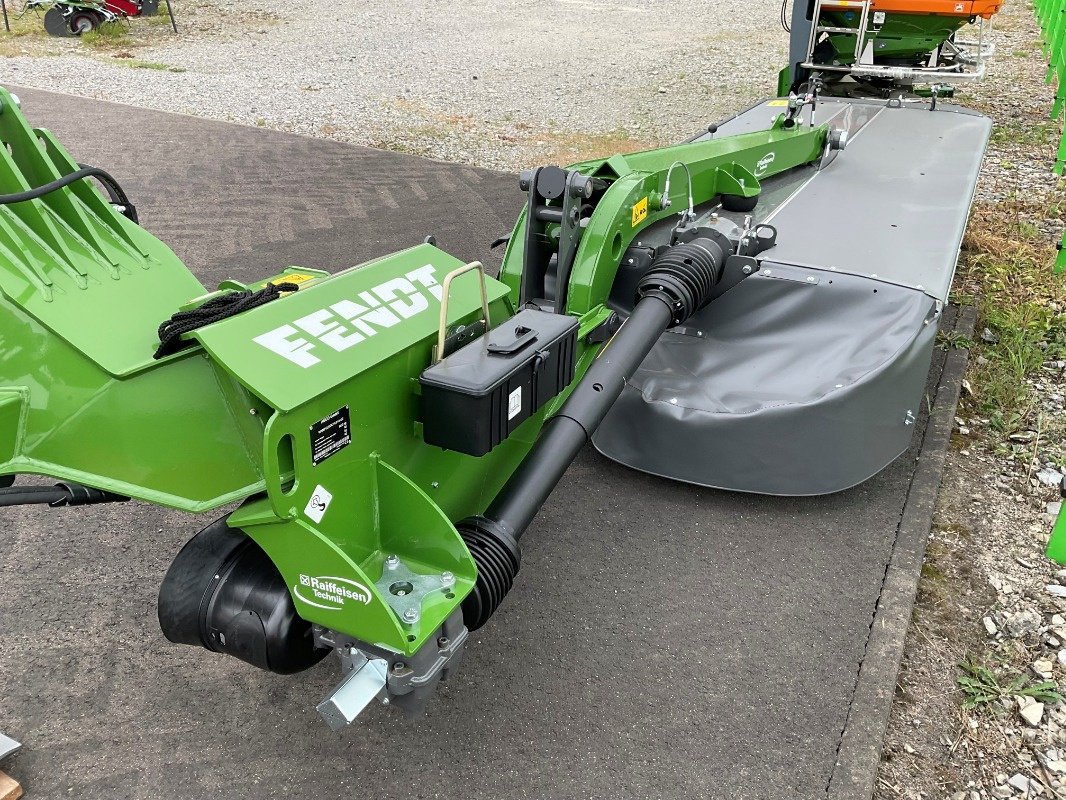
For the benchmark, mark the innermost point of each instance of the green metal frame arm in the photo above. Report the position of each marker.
(633, 200)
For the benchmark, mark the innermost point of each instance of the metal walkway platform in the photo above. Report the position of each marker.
(702, 644)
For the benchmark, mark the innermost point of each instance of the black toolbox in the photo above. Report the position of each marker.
(473, 399)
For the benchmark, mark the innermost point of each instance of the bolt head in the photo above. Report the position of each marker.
(410, 615)
(447, 579)
(392, 562)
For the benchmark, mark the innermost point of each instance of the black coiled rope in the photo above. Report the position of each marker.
(214, 310)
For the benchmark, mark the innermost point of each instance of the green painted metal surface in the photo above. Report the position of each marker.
(1051, 14)
(732, 164)
(239, 415)
(82, 292)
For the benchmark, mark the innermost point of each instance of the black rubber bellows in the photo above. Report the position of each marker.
(498, 558)
(224, 593)
(686, 273)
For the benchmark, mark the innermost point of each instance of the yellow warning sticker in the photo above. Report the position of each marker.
(294, 277)
(778, 103)
(640, 211)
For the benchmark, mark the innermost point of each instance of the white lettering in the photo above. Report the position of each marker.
(298, 350)
(415, 302)
(331, 590)
(346, 323)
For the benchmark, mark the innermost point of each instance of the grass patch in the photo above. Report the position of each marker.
(1007, 265)
(162, 17)
(134, 63)
(1025, 133)
(571, 148)
(106, 35)
(27, 36)
(981, 686)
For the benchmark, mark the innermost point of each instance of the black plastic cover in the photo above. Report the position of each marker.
(794, 382)
(224, 593)
(476, 397)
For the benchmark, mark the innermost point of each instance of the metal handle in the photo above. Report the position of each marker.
(446, 288)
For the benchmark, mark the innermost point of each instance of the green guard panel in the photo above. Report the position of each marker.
(296, 349)
(71, 260)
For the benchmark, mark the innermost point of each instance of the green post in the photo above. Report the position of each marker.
(1056, 546)
(1051, 16)
(784, 81)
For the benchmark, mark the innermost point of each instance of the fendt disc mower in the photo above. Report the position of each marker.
(753, 310)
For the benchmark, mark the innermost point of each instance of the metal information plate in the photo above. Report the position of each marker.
(330, 435)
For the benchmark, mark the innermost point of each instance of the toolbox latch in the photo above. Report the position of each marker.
(523, 338)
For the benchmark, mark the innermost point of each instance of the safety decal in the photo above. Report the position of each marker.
(514, 403)
(294, 277)
(318, 505)
(640, 211)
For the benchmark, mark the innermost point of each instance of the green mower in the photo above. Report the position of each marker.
(752, 310)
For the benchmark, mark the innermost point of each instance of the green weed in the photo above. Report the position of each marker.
(1007, 265)
(107, 34)
(134, 63)
(981, 686)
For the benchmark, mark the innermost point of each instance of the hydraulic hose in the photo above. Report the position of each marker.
(33, 495)
(63, 494)
(114, 190)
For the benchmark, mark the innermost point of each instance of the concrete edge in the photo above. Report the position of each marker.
(859, 754)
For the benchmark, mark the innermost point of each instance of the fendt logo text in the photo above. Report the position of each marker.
(347, 323)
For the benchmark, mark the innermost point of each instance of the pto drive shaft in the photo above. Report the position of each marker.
(678, 284)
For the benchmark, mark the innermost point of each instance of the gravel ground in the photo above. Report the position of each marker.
(501, 83)
(987, 592)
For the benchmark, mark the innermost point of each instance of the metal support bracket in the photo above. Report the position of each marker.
(371, 671)
(404, 590)
(568, 191)
(365, 680)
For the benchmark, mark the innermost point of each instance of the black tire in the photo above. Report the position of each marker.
(55, 23)
(736, 202)
(84, 21)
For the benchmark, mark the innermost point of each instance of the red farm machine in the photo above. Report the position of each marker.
(77, 17)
